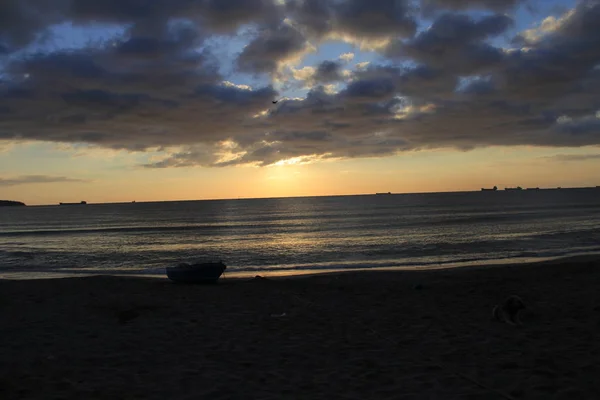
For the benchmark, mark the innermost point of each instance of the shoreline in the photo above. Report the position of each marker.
(300, 273)
(407, 334)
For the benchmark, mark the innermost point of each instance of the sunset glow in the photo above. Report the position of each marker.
(267, 98)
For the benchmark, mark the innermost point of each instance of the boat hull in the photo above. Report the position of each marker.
(196, 273)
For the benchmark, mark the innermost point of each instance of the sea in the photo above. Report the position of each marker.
(300, 235)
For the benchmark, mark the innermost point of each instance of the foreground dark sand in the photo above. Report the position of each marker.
(371, 335)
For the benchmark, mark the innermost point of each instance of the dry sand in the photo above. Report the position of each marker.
(366, 335)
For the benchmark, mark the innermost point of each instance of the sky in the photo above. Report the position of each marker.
(151, 100)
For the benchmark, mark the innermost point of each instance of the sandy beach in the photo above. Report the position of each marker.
(359, 335)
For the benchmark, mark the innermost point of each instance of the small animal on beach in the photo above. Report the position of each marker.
(508, 310)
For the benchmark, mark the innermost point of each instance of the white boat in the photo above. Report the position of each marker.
(196, 273)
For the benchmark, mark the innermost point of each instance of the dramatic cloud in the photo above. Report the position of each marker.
(161, 85)
(34, 179)
(22, 21)
(430, 6)
(329, 71)
(374, 18)
(324, 73)
(129, 95)
(354, 18)
(271, 47)
(455, 42)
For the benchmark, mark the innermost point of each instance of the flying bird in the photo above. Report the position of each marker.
(275, 101)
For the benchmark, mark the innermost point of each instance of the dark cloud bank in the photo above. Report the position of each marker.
(158, 85)
(29, 179)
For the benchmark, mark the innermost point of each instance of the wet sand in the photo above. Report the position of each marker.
(359, 335)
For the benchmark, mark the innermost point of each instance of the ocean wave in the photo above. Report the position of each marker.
(524, 257)
(350, 224)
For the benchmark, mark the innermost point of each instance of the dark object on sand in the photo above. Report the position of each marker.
(508, 310)
(196, 273)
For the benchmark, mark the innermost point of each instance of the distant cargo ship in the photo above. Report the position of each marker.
(489, 190)
(517, 188)
(381, 194)
(535, 188)
(73, 204)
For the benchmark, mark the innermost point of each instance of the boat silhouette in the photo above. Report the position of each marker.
(196, 273)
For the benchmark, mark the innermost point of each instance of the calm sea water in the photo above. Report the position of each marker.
(300, 234)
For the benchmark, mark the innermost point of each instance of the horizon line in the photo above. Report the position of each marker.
(312, 196)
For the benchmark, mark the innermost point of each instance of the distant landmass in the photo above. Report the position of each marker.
(10, 203)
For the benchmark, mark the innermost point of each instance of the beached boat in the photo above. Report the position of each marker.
(196, 273)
